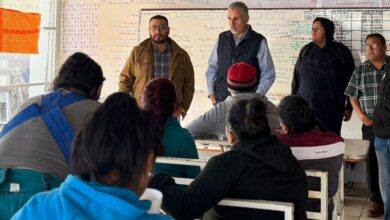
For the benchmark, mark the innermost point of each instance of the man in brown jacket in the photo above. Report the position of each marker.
(159, 56)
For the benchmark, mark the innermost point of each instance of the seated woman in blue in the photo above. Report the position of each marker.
(313, 148)
(257, 167)
(112, 160)
(159, 99)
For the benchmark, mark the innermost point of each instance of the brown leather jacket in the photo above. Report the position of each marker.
(138, 70)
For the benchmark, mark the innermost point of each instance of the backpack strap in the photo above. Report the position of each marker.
(339, 54)
(305, 49)
(56, 121)
(51, 113)
(26, 114)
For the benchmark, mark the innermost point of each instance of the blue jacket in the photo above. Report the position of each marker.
(77, 199)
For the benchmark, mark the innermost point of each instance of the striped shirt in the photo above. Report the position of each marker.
(318, 150)
(161, 61)
(314, 145)
(365, 85)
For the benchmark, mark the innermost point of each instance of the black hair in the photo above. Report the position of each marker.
(159, 17)
(81, 72)
(247, 119)
(297, 114)
(118, 137)
(377, 35)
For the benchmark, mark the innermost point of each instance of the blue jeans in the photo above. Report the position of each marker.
(382, 148)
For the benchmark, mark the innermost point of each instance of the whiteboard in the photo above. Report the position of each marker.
(116, 26)
(256, 3)
(287, 31)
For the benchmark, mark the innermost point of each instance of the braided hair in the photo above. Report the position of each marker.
(247, 119)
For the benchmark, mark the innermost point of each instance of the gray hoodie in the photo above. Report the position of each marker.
(213, 121)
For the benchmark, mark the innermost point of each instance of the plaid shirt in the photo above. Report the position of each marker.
(365, 85)
(161, 61)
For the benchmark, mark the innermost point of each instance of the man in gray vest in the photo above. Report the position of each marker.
(240, 44)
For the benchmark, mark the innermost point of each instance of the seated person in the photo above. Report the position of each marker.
(35, 144)
(242, 84)
(112, 161)
(159, 99)
(313, 148)
(257, 167)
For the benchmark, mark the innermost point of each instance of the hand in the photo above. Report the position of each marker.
(179, 112)
(347, 115)
(366, 121)
(213, 99)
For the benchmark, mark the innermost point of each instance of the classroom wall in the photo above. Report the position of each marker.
(108, 30)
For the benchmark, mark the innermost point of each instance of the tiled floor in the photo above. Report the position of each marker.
(357, 202)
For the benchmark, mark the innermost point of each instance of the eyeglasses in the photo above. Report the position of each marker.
(371, 46)
(160, 28)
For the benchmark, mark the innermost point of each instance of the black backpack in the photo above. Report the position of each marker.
(382, 108)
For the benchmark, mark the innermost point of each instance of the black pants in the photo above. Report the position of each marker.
(372, 165)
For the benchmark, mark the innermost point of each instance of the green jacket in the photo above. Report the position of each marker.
(177, 142)
(138, 70)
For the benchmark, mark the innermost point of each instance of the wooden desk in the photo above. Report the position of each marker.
(212, 142)
(356, 150)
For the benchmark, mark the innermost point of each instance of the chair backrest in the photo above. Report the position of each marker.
(286, 207)
(322, 195)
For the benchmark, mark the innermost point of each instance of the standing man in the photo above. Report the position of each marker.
(382, 140)
(363, 91)
(321, 75)
(159, 57)
(240, 44)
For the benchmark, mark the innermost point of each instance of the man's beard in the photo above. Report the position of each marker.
(161, 39)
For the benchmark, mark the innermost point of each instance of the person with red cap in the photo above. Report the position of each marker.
(322, 73)
(242, 83)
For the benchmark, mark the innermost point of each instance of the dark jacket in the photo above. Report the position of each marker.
(320, 77)
(257, 169)
(382, 108)
(229, 53)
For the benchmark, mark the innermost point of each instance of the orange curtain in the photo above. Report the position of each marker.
(19, 32)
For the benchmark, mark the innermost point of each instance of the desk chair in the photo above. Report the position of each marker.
(322, 195)
(286, 207)
(338, 198)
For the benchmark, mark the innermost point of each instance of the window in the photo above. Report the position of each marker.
(27, 75)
